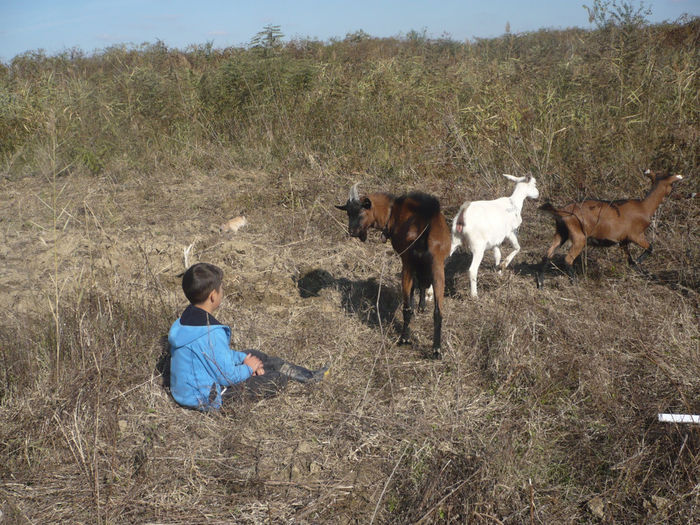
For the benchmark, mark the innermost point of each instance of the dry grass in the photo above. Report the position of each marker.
(544, 407)
(542, 410)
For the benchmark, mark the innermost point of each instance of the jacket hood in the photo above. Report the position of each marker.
(193, 324)
(182, 335)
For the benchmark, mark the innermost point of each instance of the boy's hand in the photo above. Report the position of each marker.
(254, 363)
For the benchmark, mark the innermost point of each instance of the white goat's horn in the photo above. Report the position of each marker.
(354, 195)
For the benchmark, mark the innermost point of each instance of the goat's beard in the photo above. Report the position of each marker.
(362, 235)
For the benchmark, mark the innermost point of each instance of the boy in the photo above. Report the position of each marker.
(204, 370)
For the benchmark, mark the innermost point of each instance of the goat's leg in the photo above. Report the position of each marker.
(516, 248)
(407, 288)
(642, 241)
(626, 249)
(556, 242)
(646, 253)
(457, 241)
(439, 290)
(497, 258)
(578, 243)
(421, 299)
(635, 264)
(477, 256)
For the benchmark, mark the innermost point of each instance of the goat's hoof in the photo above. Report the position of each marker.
(540, 283)
(437, 354)
(638, 268)
(404, 341)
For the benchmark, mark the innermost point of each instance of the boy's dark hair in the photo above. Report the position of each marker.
(199, 280)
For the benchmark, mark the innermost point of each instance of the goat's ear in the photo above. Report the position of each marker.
(344, 207)
(366, 203)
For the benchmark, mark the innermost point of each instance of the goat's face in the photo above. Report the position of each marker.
(532, 191)
(529, 182)
(360, 216)
(672, 179)
(668, 179)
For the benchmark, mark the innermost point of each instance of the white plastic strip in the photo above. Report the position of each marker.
(679, 418)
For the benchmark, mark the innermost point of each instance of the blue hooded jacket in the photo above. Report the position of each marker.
(201, 361)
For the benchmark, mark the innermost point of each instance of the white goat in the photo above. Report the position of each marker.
(481, 225)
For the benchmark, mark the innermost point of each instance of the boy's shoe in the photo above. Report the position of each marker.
(303, 375)
(320, 374)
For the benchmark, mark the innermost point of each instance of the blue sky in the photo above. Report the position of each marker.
(55, 25)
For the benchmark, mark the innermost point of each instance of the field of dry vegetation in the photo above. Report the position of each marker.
(544, 407)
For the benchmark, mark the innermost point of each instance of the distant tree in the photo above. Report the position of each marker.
(607, 13)
(417, 37)
(268, 39)
(357, 36)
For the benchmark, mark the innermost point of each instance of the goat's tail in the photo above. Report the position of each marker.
(547, 207)
(458, 221)
(560, 225)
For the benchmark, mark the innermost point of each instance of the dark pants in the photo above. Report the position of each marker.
(259, 387)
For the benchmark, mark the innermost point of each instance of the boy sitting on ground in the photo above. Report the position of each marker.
(204, 370)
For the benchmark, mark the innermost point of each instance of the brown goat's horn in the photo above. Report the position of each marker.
(354, 195)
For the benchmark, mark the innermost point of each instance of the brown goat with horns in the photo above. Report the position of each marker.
(607, 223)
(419, 234)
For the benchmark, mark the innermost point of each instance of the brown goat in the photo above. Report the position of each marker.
(419, 234)
(607, 223)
